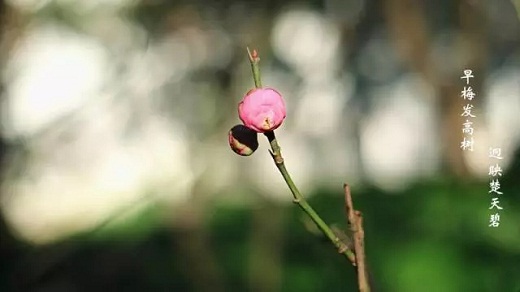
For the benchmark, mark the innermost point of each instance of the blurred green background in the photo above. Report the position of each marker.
(117, 175)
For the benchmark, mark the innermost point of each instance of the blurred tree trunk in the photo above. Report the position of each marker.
(266, 248)
(191, 238)
(406, 20)
(10, 247)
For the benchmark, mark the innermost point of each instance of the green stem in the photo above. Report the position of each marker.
(298, 198)
(254, 59)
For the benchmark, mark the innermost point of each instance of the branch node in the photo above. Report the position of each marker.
(272, 154)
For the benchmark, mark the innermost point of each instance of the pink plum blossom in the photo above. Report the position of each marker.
(262, 109)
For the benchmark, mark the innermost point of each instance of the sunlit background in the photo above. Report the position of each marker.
(116, 172)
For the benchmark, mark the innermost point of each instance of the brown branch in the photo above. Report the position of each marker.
(355, 221)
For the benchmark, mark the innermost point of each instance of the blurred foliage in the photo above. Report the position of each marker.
(431, 237)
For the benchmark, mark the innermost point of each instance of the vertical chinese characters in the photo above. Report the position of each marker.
(468, 95)
(495, 171)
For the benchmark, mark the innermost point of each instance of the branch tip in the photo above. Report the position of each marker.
(249, 54)
(253, 56)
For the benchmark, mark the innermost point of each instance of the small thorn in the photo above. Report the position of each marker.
(296, 201)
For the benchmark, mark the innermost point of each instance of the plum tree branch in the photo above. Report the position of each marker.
(357, 257)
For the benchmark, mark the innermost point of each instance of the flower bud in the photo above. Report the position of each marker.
(243, 140)
(262, 109)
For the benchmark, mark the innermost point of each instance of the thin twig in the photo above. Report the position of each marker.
(356, 225)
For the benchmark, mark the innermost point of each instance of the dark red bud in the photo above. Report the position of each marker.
(242, 140)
